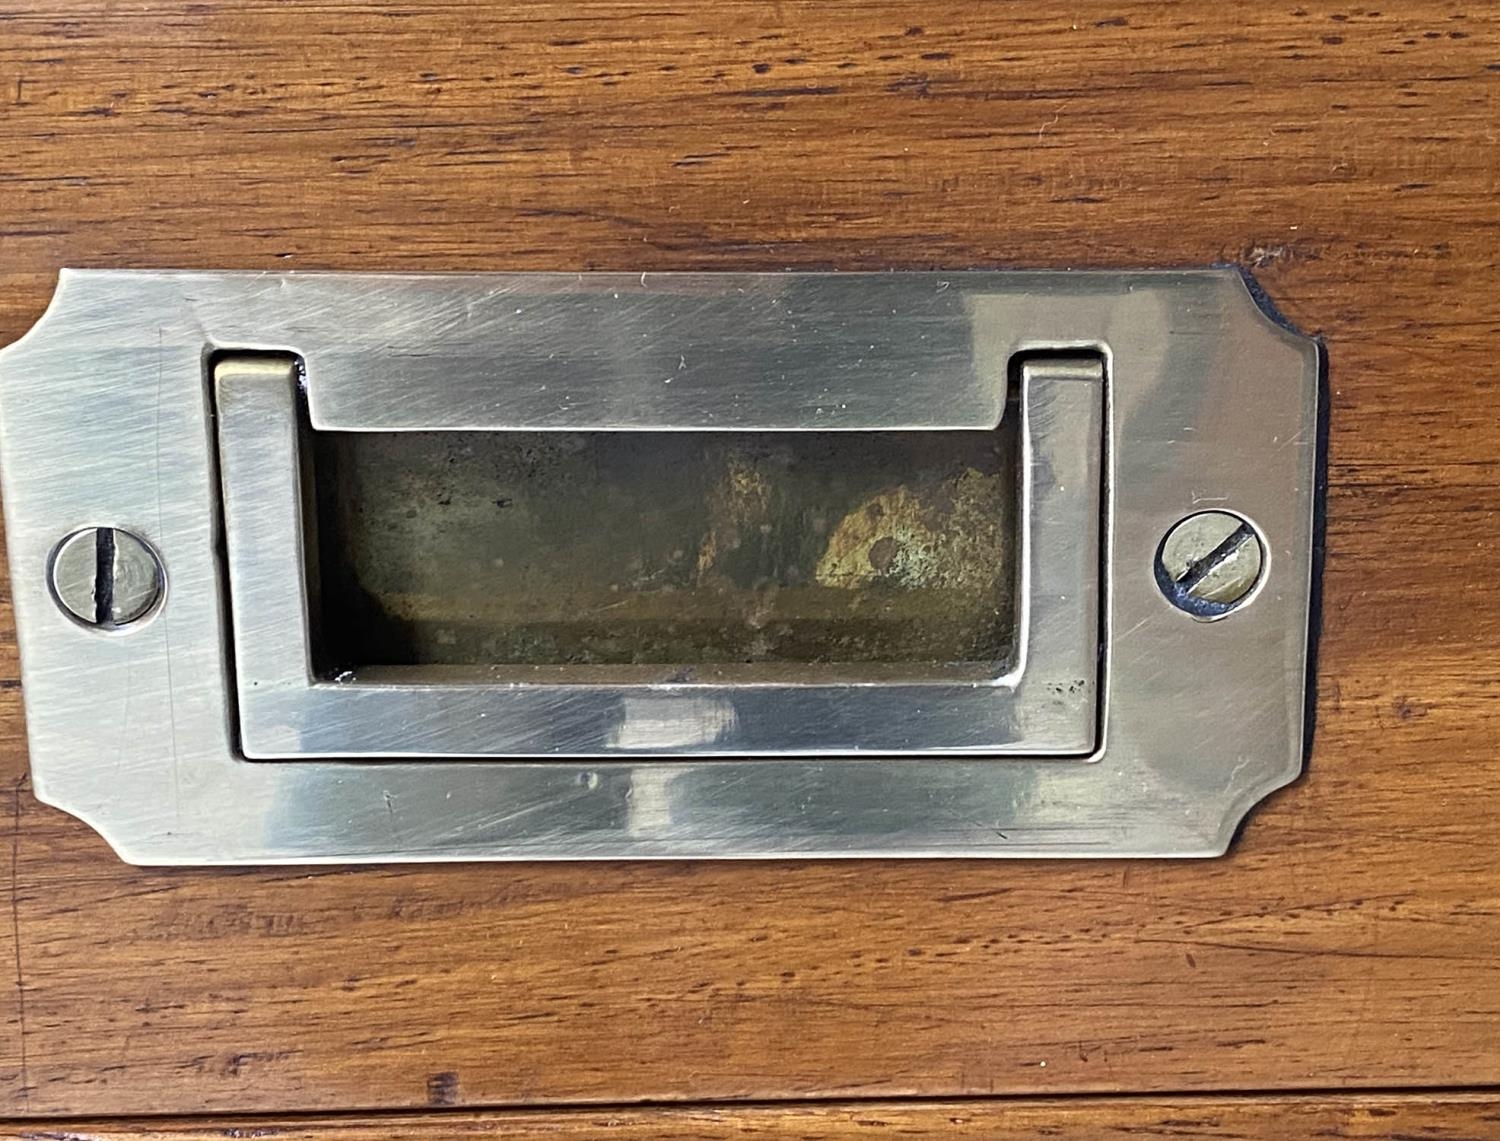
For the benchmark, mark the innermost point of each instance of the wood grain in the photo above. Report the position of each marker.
(1433, 1117)
(1348, 154)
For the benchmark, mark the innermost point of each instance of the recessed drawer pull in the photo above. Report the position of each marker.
(375, 567)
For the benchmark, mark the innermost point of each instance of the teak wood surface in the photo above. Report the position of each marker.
(1349, 155)
(1345, 1117)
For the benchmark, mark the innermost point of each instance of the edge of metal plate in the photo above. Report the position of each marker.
(106, 419)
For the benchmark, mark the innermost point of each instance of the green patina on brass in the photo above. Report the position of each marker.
(682, 549)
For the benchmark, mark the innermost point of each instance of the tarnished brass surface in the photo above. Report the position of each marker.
(680, 549)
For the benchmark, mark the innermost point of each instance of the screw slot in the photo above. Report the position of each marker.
(1209, 563)
(105, 578)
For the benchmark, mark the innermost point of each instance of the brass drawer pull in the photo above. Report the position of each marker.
(585, 566)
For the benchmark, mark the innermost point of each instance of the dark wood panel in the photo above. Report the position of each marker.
(1348, 154)
(1434, 1117)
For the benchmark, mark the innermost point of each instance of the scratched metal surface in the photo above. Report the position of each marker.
(1041, 701)
(105, 417)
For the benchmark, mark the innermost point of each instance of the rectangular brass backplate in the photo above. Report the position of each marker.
(319, 567)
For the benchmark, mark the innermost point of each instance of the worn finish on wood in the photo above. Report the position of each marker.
(1348, 154)
(1435, 1117)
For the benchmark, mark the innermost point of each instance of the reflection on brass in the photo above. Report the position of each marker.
(679, 549)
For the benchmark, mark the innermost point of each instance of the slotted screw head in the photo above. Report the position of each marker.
(105, 577)
(1209, 563)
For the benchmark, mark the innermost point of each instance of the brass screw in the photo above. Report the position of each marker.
(105, 577)
(1209, 563)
